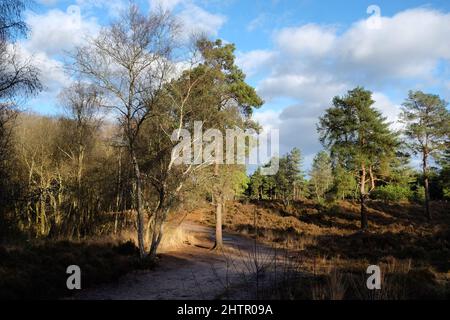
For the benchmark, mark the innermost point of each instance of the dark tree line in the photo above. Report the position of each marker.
(18, 79)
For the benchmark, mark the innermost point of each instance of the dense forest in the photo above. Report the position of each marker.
(104, 164)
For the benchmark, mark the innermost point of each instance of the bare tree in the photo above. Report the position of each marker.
(130, 61)
(11, 22)
(18, 78)
(81, 102)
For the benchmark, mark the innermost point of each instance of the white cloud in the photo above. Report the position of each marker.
(57, 31)
(52, 74)
(257, 22)
(408, 44)
(48, 2)
(388, 108)
(315, 62)
(306, 87)
(164, 4)
(113, 7)
(52, 33)
(310, 39)
(252, 61)
(268, 119)
(196, 20)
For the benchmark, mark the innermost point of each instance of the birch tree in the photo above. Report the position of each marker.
(130, 61)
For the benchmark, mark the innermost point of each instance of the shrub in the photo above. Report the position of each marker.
(38, 271)
(446, 193)
(392, 192)
(419, 194)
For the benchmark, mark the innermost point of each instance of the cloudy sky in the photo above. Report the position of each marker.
(297, 53)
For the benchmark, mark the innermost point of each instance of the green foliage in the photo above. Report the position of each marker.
(357, 135)
(446, 193)
(321, 175)
(233, 181)
(359, 140)
(223, 84)
(444, 174)
(228, 78)
(392, 192)
(344, 184)
(419, 194)
(289, 178)
(287, 184)
(355, 132)
(427, 123)
(256, 186)
(427, 129)
(398, 171)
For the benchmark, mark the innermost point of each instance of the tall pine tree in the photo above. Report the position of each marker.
(427, 128)
(359, 136)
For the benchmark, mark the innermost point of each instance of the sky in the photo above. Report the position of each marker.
(298, 54)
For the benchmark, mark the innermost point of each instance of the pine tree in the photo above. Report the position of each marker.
(234, 100)
(321, 175)
(444, 173)
(256, 185)
(358, 135)
(427, 128)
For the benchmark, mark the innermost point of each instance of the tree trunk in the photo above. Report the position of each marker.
(219, 206)
(156, 237)
(138, 204)
(219, 210)
(119, 181)
(364, 220)
(158, 221)
(157, 234)
(426, 186)
(43, 216)
(363, 195)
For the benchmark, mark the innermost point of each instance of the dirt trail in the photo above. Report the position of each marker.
(192, 271)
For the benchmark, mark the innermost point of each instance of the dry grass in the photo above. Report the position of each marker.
(332, 255)
(38, 271)
(175, 237)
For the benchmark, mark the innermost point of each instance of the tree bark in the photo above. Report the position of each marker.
(156, 234)
(426, 186)
(160, 216)
(138, 204)
(363, 195)
(219, 206)
(364, 220)
(219, 211)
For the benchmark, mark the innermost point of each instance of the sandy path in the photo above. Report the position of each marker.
(192, 271)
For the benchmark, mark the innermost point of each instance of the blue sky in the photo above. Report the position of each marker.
(298, 54)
